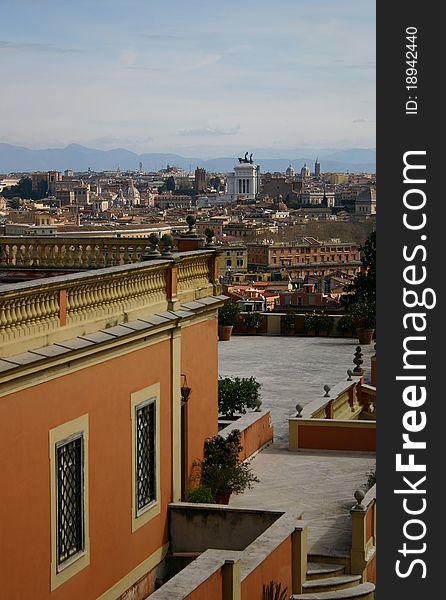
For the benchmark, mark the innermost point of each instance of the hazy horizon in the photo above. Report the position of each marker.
(193, 78)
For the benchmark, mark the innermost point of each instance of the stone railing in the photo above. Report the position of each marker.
(69, 253)
(343, 419)
(193, 272)
(363, 551)
(44, 311)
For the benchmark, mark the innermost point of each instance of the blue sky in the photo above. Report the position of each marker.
(207, 78)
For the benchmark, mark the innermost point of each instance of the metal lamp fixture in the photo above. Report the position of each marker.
(185, 389)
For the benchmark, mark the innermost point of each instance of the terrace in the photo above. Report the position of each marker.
(317, 484)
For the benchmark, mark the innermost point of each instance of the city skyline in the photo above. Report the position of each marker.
(198, 79)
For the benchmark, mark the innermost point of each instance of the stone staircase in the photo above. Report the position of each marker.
(328, 581)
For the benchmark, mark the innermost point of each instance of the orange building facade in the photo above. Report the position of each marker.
(96, 434)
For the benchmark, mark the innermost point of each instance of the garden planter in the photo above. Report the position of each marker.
(365, 336)
(252, 331)
(224, 332)
(222, 497)
(311, 332)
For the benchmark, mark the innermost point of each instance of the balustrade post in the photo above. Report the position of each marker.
(358, 514)
(299, 545)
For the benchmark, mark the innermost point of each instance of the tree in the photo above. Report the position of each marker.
(237, 394)
(363, 287)
(23, 189)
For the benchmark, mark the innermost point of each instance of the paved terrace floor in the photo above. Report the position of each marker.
(319, 485)
(291, 369)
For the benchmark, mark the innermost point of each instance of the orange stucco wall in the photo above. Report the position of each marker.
(199, 362)
(211, 589)
(371, 570)
(276, 567)
(103, 391)
(337, 438)
(256, 436)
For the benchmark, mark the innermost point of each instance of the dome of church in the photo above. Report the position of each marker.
(305, 171)
(290, 172)
(281, 206)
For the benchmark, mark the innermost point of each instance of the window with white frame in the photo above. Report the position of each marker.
(70, 508)
(145, 455)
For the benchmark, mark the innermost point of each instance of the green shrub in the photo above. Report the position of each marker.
(227, 314)
(364, 314)
(237, 394)
(201, 494)
(288, 321)
(253, 320)
(345, 323)
(371, 479)
(318, 322)
(221, 467)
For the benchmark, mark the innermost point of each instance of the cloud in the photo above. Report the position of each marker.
(208, 132)
(35, 47)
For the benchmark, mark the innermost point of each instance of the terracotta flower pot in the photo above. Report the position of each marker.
(365, 336)
(223, 496)
(224, 332)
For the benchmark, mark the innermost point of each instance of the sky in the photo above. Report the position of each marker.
(196, 77)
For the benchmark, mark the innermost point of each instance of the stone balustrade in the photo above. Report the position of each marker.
(45, 311)
(342, 419)
(69, 253)
(363, 519)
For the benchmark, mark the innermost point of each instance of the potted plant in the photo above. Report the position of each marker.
(318, 324)
(345, 325)
(364, 317)
(253, 321)
(288, 322)
(227, 318)
(325, 324)
(237, 394)
(221, 468)
(310, 324)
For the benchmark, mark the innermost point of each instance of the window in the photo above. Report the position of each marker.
(70, 543)
(145, 455)
(146, 489)
(70, 499)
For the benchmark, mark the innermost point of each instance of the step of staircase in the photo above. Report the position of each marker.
(364, 591)
(321, 570)
(340, 582)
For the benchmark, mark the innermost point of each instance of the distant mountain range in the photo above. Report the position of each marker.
(79, 158)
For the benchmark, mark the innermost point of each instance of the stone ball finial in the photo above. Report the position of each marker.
(191, 220)
(209, 233)
(299, 409)
(327, 388)
(167, 243)
(151, 251)
(349, 373)
(359, 497)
